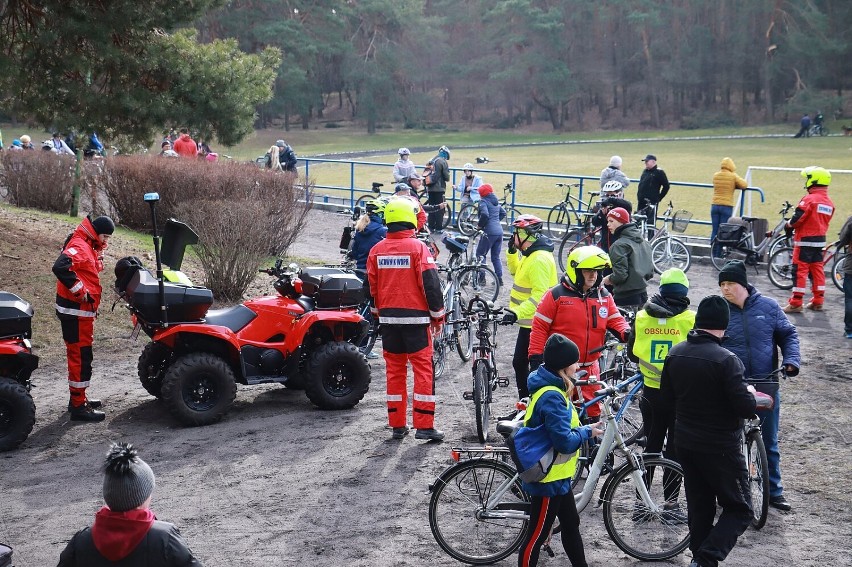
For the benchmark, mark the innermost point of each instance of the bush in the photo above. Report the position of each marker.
(37, 179)
(707, 119)
(242, 214)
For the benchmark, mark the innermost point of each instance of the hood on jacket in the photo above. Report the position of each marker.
(666, 307)
(491, 198)
(87, 232)
(542, 377)
(728, 164)
(116, 534)
(185, 137)
(629, 231)
(542, 243)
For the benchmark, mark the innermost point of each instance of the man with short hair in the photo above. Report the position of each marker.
(703, 383)
(757, 329)
(653, 187)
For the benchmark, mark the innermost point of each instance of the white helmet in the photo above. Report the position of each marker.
(467, 167)
(404, 152)
(612, 187)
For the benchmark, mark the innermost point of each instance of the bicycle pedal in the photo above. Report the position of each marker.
(468, 396)
(504, 382)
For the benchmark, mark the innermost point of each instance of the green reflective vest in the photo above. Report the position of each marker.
(564, 466)
(654, 338)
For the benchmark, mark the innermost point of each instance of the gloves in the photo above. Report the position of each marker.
(511, 247)
(509, 318)
(536, 360)
(437, 325)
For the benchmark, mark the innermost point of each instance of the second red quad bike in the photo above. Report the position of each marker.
(304, 337)
(17, 362)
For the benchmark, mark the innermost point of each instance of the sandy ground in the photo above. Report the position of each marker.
(279, 482)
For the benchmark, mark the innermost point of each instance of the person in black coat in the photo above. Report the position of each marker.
(704, 384)
(653, 188)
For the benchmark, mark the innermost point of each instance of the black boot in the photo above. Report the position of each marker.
(86, 413)
(89, 402)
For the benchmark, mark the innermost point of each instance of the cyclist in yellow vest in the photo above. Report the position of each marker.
(662, 323)
(531, 263)
(551, 385)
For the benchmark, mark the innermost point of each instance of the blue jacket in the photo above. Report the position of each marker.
(490, 213)
(364, 241)
(552, 410)
(754, 334)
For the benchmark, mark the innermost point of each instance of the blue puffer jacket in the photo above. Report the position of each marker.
(754, 333)
(552, 410)
(490, 213)
(364, 241)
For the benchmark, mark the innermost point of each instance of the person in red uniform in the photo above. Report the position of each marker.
(580, 308)
(78, 295)
(407, 300)
(810, 223)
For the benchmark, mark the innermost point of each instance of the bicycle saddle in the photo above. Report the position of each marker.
(749, 219)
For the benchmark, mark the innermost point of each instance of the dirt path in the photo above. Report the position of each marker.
(278, 482)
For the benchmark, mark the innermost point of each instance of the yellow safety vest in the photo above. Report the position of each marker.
(654, 338)
(534, 275)
(564, 466)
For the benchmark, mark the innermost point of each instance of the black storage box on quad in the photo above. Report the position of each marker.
(183, 303)
(16, 316)
(332, 287)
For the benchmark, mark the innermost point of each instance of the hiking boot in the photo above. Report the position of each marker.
(429, 434)
(673, 515)
(814, 306)
(792, 308)
(780, 503)
(92, 403)
(399, 432)
(86, 413)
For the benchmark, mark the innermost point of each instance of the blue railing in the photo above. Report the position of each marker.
(347, 195)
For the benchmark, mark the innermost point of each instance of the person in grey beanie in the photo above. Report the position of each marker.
(125, 531)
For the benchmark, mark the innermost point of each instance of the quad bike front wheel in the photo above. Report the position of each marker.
(152, 366)
(17, 414)
(199, 388)
(338, 376)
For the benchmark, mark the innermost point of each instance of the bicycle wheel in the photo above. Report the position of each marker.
(670, 252)
(837, 270)
(780, 241)
(637, 529)
(364, 199)
(460, 523)
(722, 257)
(558, 219)
(511, 215)
(446, 212)
(462, 333)
(779, 268)
(758, 477)
(369, 341)
(572, 239)
(478, 280)
(468, 219)
(439, 354)
(482, 399)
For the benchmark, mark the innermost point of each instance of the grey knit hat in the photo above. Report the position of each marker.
(128, 480)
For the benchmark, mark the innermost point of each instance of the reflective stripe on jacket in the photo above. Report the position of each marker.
(810, 221)
(654, 337)
(77, 270)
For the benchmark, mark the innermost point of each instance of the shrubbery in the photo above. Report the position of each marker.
(39, 180)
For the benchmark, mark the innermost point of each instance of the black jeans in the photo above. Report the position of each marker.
(564, 508)
(436, 217)
(709, 477)
(521, 362)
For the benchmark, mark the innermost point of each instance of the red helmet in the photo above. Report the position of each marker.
(530, 223)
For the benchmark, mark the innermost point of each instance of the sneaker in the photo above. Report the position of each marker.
(780, 503)
(673, 515)
(92, 403)
(372, 355)
(86, 413)
(793, 308)
(429, 434)
(400, 432)
(849, 335)
(814, 306)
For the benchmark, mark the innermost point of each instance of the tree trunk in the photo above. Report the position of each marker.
(653, 103)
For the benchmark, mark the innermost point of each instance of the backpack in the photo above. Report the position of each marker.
(531, 449)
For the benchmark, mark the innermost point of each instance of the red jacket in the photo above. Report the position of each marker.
(77, 270)
(185, 146)
(404, 281)
(810, 221)
(583, 319)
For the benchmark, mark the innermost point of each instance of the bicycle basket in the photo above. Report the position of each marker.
(730, 233)
(680, 220)
(454, 246)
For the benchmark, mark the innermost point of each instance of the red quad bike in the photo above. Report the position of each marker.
(304, 337)
(17, 362)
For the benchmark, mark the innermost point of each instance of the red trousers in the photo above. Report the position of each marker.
(807, 261)
(78, 334)
(594, 410)
(403, 344)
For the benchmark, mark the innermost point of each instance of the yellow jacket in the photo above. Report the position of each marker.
(725, 181)
(534, 273)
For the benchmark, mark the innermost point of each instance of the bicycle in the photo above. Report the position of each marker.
(446, 212)
(780, 265)
(468, 218)
(818, 130)
(362, 200)
(479, 511)
(456, 333)
(462, 248)
(585, 235)
(484, 368)
(560, 215)
(472, 277)
(735, 240)
(668, 251)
